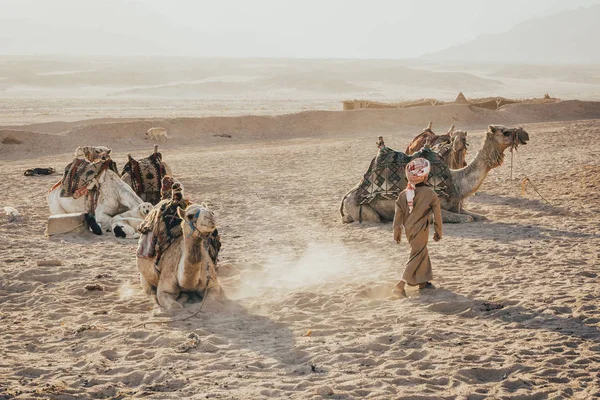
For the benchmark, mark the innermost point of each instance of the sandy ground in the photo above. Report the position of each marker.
(308, 311)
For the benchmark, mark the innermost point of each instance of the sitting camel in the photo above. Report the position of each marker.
(185, 259)
(452, 185)
(107, 192)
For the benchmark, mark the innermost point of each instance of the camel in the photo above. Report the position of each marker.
(157, 133)
(149, 172)
(460, 183)
(114, 197)
(455, 152)
(427, 137)
(186, 265)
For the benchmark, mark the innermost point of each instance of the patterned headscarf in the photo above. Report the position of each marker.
(416, 172)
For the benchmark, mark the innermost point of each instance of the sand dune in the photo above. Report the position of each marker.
(514, 316)
(129, 133)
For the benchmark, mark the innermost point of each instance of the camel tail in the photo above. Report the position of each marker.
(344, 199)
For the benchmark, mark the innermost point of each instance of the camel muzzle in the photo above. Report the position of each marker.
(522, 136)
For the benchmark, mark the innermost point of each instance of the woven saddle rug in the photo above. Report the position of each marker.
(386, 176)
(146, 176)
(80, 173)
(163, 226)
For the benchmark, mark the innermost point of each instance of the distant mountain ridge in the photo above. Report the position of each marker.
(568, 37)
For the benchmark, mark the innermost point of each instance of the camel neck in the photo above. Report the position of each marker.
(192, 265)
(468, 179)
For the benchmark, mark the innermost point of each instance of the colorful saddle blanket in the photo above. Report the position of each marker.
(80, 173)
(386, 176)
(146, 176)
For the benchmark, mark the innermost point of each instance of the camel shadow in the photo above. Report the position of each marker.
(446, 302)
(90, 238)
(505, 232)
(518, 203)
(226, 324)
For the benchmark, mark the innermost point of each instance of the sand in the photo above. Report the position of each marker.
(308, 312)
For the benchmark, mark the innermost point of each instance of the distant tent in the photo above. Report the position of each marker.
(461, 99)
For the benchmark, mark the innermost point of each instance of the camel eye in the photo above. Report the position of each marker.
(190, 217)
(506, 133)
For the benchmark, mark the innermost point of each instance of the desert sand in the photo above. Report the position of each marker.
(308, 312)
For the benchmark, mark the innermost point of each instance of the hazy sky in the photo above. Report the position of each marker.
(259, 28)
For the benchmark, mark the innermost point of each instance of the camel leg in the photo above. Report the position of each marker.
(368, 214)
(102, 218)
(475, 216)
(183, 298)
(146, 286)
(166, 295)
(449, 217)
(364, 213)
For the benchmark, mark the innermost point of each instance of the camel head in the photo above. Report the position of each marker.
(459, 140)
(197, 218)
(507, 137)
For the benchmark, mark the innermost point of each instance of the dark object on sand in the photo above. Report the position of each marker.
(39, 171)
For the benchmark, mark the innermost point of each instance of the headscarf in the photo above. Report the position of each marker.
(416, 172)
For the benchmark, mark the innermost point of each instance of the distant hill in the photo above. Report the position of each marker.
(567, 37)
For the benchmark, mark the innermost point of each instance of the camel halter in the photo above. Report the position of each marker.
(191, 224)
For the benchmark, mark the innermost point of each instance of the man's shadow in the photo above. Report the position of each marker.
(446, 302)
(518, 203)
(506, 232)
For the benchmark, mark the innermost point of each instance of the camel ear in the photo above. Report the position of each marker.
(492, 128)
(181, 213)
(109, 150)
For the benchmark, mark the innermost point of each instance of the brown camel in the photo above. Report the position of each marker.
(370, 200)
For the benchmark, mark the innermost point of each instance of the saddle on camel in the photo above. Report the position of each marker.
(386, 176)
(429, 138)
(80, 179)
(162, 226)
(146, 175)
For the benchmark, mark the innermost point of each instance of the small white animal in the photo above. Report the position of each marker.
(125, 225)
(12, 213)
(93, 153)
(158, 134)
